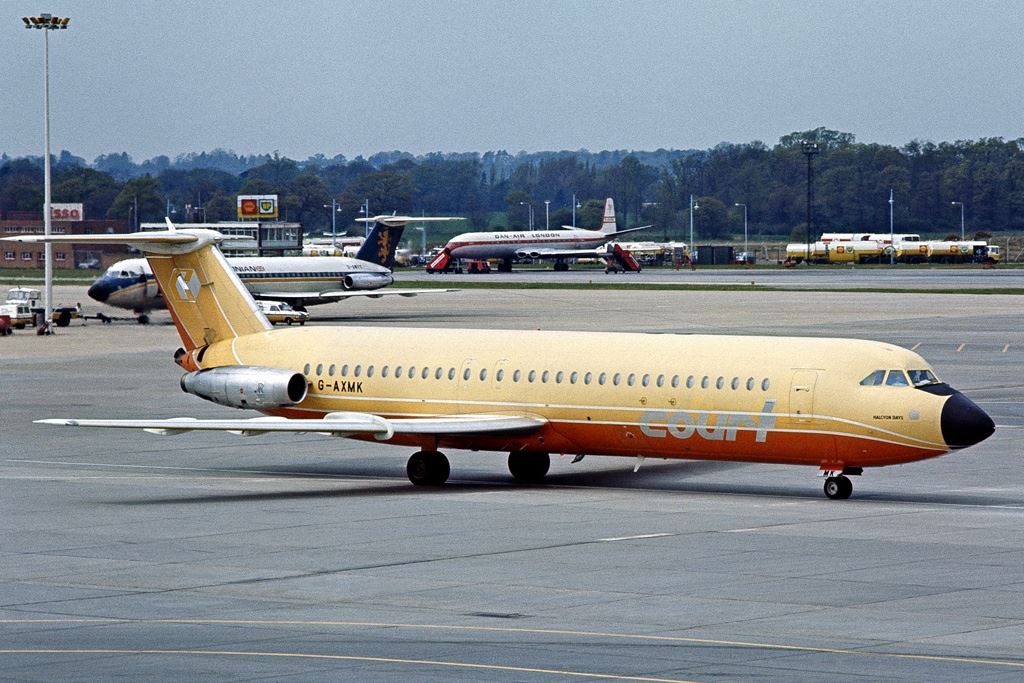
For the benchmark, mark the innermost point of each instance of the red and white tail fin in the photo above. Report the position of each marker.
(608, 220)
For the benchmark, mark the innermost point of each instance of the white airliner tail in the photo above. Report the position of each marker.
(608, 225)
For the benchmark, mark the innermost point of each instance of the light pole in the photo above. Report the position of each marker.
(692, 207)
(547, 214)
(365, 210)
(892, 235)
(423, 239)
(961, 205)
(529, 205)
(47, 23)
(746, 252)
(809, 149)
(574, 207)
(335, 210)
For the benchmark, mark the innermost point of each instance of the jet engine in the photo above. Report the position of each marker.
(246, 386)
(367, 280)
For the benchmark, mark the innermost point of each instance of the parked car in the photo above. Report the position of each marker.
(281, 312)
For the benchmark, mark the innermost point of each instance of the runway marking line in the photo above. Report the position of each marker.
(633, 538)
(960, 347)
(349, 658)
(1008, 663)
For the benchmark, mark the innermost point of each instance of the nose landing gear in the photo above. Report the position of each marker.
(838, 488)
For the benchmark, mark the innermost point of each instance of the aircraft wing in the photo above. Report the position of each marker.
(333, 424)
(346, 293)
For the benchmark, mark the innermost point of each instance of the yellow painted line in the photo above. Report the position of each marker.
(1010, 663)
(914, 347)
(960, 347)
(346, 658)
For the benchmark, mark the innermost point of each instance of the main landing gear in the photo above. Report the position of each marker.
(838, 488)
(431, 468)
(428, 468)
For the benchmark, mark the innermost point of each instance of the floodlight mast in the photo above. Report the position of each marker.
(47, 23)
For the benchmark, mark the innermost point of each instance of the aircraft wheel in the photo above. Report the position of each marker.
(428, 468)
(143, 319)
(838, 488)
(528, 467)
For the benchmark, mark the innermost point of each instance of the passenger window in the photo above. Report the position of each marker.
(344, 370)
(661, 380)
(369, 371)
(690, 381)
(384, 371)
(412, 372)
(358, 371)
(451, 374)
(645, 380)
(896, 378)
(874, 379)
(483, 374)
(559, 376)
(631, 380)
(587, 377)
(465, 374)
(720, 382)
(532, 376)
(544, 376)
(330, 370)
(617, 378)
(319, 368)
(305, 370)
(735, 383)
(516, 375)
(499, 375)
(675, 381)
(602, 378)
(573, 377)
(439, 372)
(398, 371)
(750, 384)
(425, 373)
(704, 382)
(765, 384)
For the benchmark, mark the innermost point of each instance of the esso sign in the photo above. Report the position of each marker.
(66, 212)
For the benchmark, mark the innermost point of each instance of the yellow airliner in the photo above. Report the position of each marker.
(836, 404)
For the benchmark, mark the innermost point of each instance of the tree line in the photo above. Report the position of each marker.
(852, 183)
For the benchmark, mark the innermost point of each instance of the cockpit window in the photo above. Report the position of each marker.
(922, 378)
(874, 379)
(896, 378)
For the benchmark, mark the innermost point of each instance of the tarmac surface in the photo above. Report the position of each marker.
(215, 557)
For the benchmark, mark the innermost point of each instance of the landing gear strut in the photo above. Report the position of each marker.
(428, 468)
(838, 488)
(528, 467)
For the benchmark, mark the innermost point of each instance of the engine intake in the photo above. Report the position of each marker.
(246, 386)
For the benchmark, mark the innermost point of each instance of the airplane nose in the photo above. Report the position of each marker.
(964, 423)
(99, 292)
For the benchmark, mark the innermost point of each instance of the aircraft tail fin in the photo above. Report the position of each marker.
(203, 294)
(608, 225)
(380, 245)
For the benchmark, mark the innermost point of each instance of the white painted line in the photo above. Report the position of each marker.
(633, 538)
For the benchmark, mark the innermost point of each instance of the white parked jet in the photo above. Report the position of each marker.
(299, 280)
(559, 245)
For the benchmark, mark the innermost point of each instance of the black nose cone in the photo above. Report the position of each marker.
(964, 423)
(99, 292)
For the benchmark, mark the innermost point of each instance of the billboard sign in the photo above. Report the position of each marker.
(257, 206)
(66, 212)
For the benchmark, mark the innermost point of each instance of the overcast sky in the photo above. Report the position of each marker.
(358, 77)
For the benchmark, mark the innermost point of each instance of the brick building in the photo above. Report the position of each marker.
(16, 255)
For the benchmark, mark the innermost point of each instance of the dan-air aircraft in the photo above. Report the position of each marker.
(838, 405)
(556, 245)
(300, 280)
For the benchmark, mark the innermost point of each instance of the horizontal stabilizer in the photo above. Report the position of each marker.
(395, 221)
